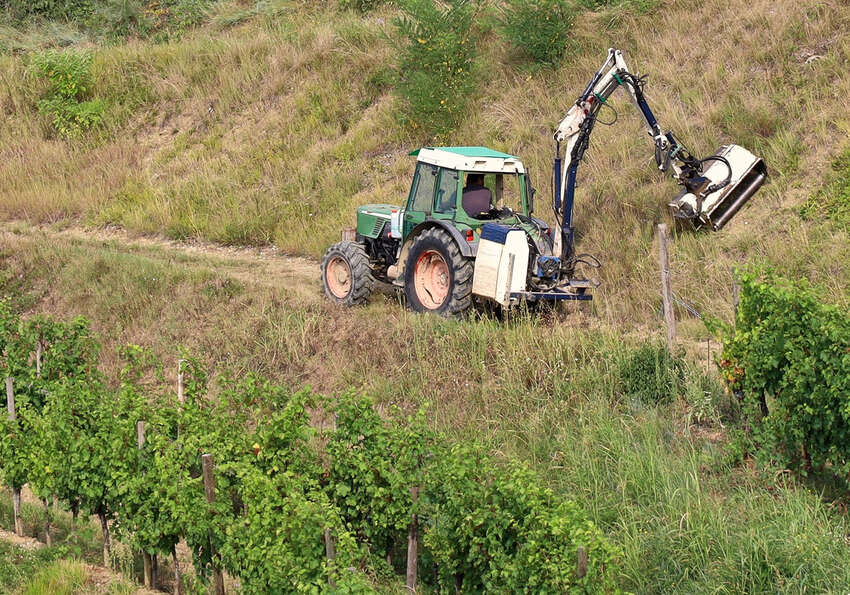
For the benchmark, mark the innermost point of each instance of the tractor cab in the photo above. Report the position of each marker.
(446, 178)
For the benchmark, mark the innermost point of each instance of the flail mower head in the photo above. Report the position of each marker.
(725, 182)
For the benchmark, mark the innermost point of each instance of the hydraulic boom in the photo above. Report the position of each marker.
(714, 188)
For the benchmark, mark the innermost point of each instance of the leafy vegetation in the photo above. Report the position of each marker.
(278, 505)
(540, 28)
(67, 102)
(437, 65)
(651, 374)
(788, 359)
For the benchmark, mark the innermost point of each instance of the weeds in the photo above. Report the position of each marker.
(67, 102)
(833, 199)
(437, 68)
(540, 28)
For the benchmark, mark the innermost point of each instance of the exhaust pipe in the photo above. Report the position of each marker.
(715, 209)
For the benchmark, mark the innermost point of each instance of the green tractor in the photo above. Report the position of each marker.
(467, 230)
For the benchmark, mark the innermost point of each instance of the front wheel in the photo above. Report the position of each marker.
(346, 274)
(437, 277)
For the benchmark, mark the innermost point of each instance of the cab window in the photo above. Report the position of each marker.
(422, 191)
(446, 199)
(506, 189)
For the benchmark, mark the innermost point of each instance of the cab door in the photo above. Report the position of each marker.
(421, 197)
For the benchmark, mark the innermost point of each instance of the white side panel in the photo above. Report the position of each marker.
(486, 272)
(493, 267)
(515, 245)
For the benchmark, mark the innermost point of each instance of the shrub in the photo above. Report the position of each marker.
(360, 5)
(788, 358)
(650, 374)
(67, 102)
(538, 27)
(47, 8)
(437, 65)
(491, 528)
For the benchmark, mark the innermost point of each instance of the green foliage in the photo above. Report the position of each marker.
(650, 374)
(67, 101)
(47, 8)
(538, 27)
(493, 528)
(788, 358)
(360, 5)
(281, 488)
(371, 468)
(437, 66)
(833, 199)
(639, 5)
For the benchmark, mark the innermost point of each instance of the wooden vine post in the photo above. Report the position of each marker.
(666, 291)
(181, 397)
(209, 492)
(330, 554)
(581, 562)
(39, 353)
(148, 572)
(413, 545)
(16, 492)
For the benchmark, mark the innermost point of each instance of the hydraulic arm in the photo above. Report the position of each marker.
(714, 188)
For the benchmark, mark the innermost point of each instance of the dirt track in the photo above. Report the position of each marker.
(263, 265)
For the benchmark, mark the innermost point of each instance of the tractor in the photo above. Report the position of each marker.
(468, 227)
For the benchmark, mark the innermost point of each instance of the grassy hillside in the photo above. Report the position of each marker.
(270, 122)
(273, 122)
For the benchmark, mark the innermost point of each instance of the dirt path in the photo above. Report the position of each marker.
(100, 580)
(264, 265)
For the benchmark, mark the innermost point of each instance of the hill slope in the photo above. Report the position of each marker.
(274, 129)
(272, 121)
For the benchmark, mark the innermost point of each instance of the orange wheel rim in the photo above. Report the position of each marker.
(339, 277)
(431, 279)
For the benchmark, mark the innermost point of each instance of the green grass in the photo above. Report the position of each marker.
(560, 391)
(19, 565)
(833, 199)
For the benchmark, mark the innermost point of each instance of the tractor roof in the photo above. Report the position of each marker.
(479, 159)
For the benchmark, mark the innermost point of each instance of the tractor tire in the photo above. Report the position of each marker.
(437, 277)
(346, 274)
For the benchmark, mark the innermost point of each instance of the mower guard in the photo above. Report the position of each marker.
(717, 208)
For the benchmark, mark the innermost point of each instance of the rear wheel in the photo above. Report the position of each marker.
(437, 277)
(346, 274)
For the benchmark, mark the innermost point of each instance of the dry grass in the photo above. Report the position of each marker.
(272, 131)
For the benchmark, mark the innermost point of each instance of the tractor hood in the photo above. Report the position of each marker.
(371, 219)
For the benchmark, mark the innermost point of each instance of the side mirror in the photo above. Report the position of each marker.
(531, 192)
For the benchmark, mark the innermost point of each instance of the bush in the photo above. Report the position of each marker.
(67, 102)
(437, 68)
(788, 358)
(650, 374)
(538, 27)
(360, 5)
(47, 8)
(496, 529)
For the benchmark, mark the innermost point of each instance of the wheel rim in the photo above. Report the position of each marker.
(431, 279)
(339, 277)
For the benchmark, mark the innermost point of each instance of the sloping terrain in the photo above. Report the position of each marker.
(231, 157)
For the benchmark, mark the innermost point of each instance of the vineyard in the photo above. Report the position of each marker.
(305, 491)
